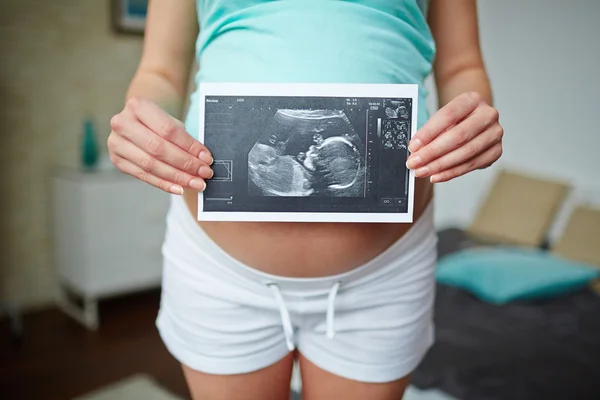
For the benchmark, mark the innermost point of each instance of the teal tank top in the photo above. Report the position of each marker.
(313, 41)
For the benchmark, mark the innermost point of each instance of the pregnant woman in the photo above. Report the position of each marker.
(352, 302)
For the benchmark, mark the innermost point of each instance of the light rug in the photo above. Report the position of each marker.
(135, 387)
(143, 387)
(413, 393)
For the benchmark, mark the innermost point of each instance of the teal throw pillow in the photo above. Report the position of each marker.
(503, 274)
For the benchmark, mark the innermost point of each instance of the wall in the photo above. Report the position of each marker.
(543, 58)
(59, 61)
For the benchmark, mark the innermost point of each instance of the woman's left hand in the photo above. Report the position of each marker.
(461, 137)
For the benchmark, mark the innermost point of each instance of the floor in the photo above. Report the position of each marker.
(57, 359)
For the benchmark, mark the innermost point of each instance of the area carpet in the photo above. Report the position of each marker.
(144, 387)
(139, 386)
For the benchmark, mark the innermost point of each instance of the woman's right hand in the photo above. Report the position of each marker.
(149, 144)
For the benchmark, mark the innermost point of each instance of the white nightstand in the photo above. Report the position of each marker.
(108, 232)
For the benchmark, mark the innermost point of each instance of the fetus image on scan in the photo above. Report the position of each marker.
(307, 153)
(396, 109)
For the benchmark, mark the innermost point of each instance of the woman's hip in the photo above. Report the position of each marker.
(302, 250)
(194, 261)
(219, 315)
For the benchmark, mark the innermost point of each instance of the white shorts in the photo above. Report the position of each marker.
(371, 324)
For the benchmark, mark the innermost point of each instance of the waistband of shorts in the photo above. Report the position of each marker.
(420, 237)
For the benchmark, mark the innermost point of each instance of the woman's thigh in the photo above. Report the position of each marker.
(270, 383)
(318, 384)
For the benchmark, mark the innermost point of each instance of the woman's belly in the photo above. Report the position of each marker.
(311, 42)
(307, 249)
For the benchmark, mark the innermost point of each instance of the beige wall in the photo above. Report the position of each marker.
(59, 61)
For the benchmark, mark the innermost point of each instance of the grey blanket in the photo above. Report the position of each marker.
(522, 351)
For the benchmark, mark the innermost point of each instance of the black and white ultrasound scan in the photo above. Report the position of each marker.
(308, 153)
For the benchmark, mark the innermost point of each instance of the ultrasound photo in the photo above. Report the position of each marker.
(396, 109)
(314, 152)
(307, 153)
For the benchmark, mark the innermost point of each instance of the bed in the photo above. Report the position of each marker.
(521, 351)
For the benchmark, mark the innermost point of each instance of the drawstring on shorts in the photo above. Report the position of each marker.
(286, 321)
(331, 310)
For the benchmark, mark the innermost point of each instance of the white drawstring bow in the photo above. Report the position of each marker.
(286, 321)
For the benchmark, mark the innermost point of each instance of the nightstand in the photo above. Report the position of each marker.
(108, 231)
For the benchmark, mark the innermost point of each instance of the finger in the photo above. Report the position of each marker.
(470, 151)
(449, 115)
(484, 160)
(151, 166)
(459, 135)
(130, 168)
(169, 128)
(161, 149)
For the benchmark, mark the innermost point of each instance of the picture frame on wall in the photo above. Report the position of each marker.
(129, 16)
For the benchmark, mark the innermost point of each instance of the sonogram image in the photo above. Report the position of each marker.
(307, 153)
(395, 135)
(396, 109)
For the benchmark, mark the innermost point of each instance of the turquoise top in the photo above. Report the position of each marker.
(313, 41)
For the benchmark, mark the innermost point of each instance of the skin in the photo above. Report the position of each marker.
(149, 142)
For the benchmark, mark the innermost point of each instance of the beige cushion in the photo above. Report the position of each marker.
(595, 286)
(580, 240)
(518, 210)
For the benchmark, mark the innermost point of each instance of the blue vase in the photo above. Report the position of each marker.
(90, 151)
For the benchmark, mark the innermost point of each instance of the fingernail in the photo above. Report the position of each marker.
(413, 162)
(415, 145)
(198, 184)
(176, 189)
(206, 157)
(422, 172)
(434, 178)
(206, 172)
